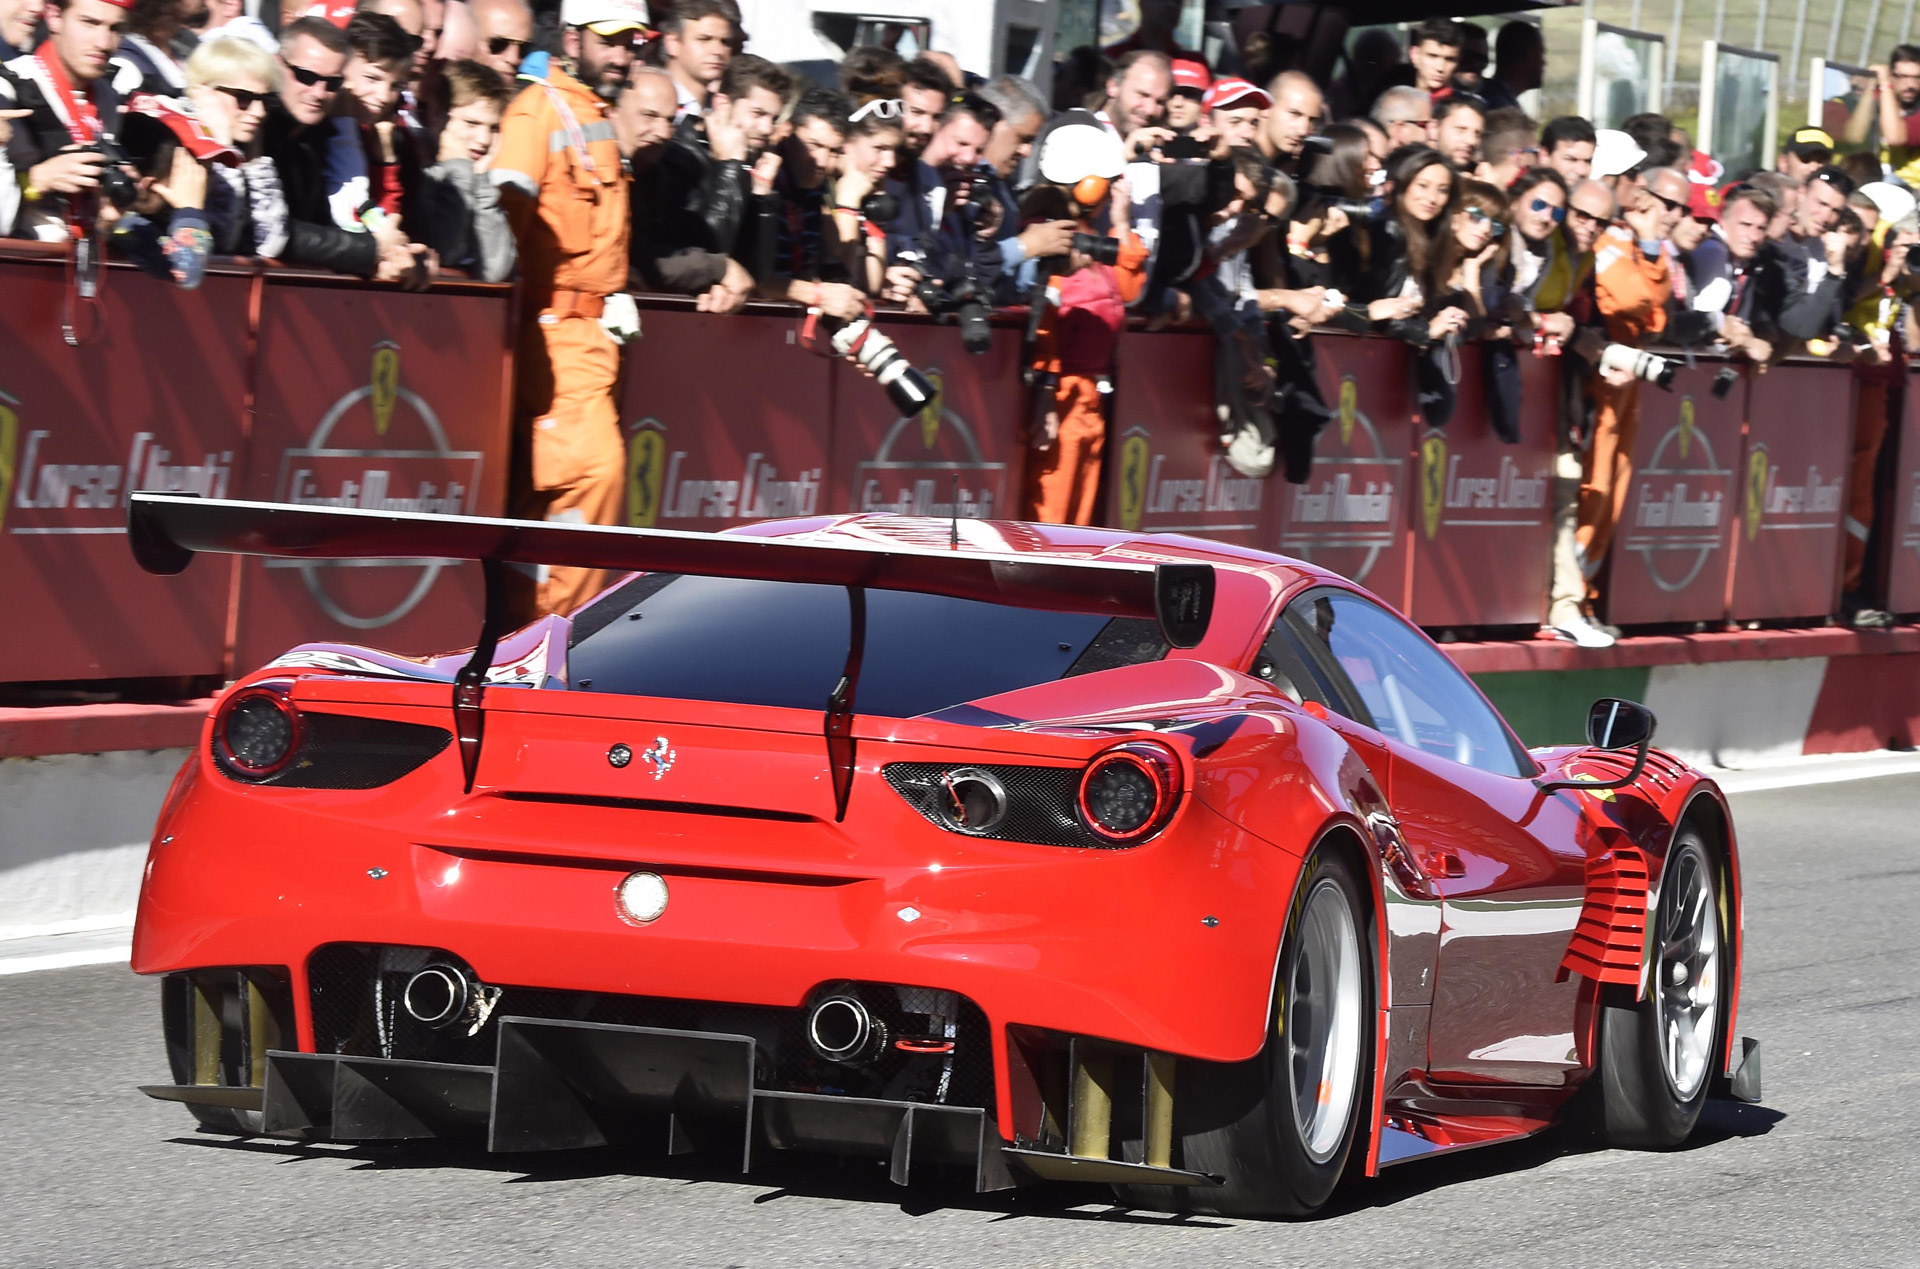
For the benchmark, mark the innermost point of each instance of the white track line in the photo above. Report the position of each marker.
(1828, 769)
(100, 947)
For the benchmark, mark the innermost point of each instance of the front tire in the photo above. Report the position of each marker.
(1657, 1056)
(1282, 1127)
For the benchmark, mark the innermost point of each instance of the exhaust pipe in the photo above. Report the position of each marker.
(438, 996)
(840, 1029)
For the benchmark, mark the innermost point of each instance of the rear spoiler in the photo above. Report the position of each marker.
(166, 530)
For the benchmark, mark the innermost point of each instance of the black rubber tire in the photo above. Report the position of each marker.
(1633, 1106)
(1235, 1120)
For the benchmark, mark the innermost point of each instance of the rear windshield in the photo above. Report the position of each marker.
(785, 643)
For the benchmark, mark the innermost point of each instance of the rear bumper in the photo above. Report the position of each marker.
(560, 1085)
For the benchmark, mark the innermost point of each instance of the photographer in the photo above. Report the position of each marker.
(941, 244)
(162, 228)
(1735, 283)
(1076, 320)
(73, 92)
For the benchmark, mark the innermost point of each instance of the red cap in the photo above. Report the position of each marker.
(1232, 92)
(1188, 73)
(179, 119)
(338, 12)
(1703, 178)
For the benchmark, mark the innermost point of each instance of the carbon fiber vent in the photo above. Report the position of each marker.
(344, 751)
(1040, 802)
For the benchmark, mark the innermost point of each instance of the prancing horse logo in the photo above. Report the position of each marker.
(659, 757)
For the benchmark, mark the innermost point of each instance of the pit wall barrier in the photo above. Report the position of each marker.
(276, 385)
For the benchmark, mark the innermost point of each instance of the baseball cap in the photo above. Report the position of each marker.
(1233, 91)
(1078, 147)
(1190, 75)
(1811, 145)
(606, 17)
(1614, 153)
(177, 117)
(1894, 202)
(338, 12)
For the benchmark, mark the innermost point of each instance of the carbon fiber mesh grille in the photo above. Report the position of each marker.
(344, 751)
(1041, 801)
(356, 989)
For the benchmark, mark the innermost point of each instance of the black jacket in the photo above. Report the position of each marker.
(688, 211)
(313, 240)
(44, 133)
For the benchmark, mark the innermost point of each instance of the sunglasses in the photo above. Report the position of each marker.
(1671, 204)
(245, 98)
(1554, 211)
(1481, 216)
(879, 108)
(500, 44)
(1586, 217)
(309, 78)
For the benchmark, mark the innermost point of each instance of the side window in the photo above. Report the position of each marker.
(1411, 691)
(1279, 662)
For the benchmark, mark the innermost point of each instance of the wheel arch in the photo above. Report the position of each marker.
(1706, 811)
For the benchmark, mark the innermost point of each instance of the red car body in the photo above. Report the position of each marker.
(1498, 910)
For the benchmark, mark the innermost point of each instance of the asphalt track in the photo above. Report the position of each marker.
(1825, 1173)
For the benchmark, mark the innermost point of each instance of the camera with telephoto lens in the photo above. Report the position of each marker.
(1656, 370)
(1098, 248)
(1360, 211)
(968, 306)
(862, 342)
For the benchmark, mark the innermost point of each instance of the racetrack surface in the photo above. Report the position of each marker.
(1824, 1173)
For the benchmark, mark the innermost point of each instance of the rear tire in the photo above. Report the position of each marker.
(1281, 1128)
(1658, 1056)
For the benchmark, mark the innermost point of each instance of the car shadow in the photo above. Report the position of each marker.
(772, 1180)
(777, 1177)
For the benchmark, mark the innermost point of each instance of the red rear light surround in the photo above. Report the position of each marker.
(1159, 764)
(274, 694)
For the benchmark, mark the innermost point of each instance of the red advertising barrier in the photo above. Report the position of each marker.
(153, 398)
(1903, 517)
(383, 400)
(1671, 547)
(1165, 472)
(727, 420)
(963, 455)
(1483, 524)
(1351, 515)
(1793, 494)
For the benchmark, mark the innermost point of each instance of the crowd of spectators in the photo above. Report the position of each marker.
(602, 148)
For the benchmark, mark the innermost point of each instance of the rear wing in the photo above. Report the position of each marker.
(167, 530)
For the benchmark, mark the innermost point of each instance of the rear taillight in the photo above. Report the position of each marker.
(257, 732)
(1130, 791)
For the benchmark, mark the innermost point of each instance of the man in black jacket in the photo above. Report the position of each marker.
(313, 55)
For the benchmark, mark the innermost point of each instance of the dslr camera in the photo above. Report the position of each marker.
(968, 307)
(861, 342)
(1656, 370)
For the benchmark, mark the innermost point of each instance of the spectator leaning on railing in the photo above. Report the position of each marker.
(936, 236)
(457, 206)
(71, 92)
(564, 188)
(230, 83)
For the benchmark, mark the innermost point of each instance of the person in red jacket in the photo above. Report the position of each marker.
(1076, 322)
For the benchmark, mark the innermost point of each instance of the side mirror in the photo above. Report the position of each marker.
(1618, 724)
(1613, 724)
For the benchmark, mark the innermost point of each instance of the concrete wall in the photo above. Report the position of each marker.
(73, 837)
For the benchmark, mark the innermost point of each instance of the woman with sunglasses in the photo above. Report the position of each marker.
(1475, 264)
(229, 83)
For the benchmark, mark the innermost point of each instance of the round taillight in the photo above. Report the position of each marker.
(258, 733)
(1129, 792)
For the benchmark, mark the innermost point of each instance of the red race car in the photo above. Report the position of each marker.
(1038, 853)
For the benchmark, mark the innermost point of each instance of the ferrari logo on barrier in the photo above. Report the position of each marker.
(9, 451)
(1349, 408)
(1686, 426)
(1433, 482)
(646, 467)
(930, 412)
(385, 381)
(1757, 472)
(1135, 454)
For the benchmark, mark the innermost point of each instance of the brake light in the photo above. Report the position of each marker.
(257, 732)
(1129, 792)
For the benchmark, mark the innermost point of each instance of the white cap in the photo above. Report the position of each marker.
(606, 17)
(1895, 202)
(1074, 150)
(1614, 153)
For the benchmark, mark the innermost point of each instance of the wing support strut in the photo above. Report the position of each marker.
(470, 684)
(840, 743)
